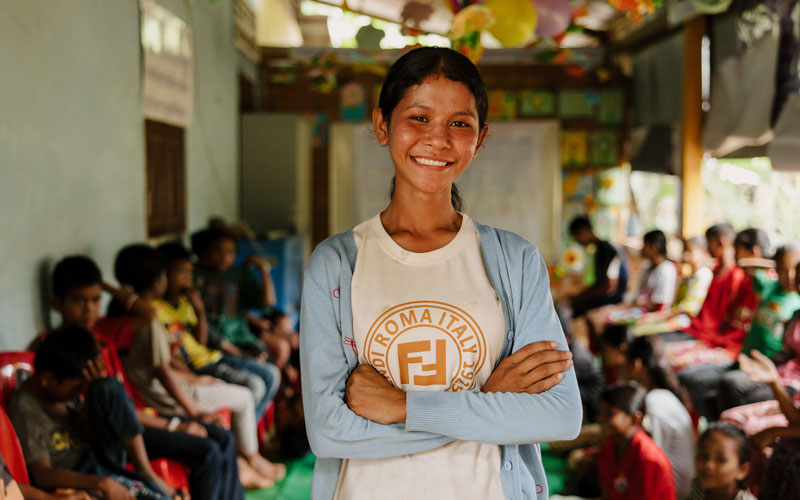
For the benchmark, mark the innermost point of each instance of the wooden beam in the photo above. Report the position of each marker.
(693, 192)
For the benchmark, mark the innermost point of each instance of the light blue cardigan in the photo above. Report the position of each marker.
(433, 419)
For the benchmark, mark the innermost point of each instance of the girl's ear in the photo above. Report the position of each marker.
(481, 137)
(380, 126)
(637, 418)
(744, 471)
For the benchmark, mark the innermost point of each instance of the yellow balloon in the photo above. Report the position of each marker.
(514, 21)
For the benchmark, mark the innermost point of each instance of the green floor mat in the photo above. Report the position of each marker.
(295, 486)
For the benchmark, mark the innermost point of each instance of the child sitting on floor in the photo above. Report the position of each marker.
(722, 463)
(181, 311)
(629, 464)
(667, 420)
(52, 420)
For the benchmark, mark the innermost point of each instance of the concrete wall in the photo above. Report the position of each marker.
(72, 173)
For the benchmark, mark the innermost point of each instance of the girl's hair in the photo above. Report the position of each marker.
(658, 240)
(625, 396)
(732, 432)
(696, 241)
(417, 65)
(751, 238)
(617, 335)
(784, 249)
(650, 352)
(720, 231)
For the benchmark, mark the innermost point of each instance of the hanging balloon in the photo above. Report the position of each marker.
(554, 17)
(515, 21)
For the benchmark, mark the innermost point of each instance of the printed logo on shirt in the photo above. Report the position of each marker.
(61, 441)
(426, 344)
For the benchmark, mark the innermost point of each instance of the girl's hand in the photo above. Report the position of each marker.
(192, 428)
(533, 369)
(759, 367)
(371, 396)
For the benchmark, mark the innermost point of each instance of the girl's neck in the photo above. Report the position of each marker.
(172, 298)
(658, 259)
(728, 258)
(420, 213)
(728, 492)
(623, 441)
(148, 295)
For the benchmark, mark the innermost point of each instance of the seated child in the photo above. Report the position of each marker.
(629, 464)
(691, 292)
(723, 464)
(779, 300)
(230, 292)
(656, 291)
(666, 419)
(182, 312)
(610, 270)
(52, 421)
(208, 450)
(149, 364)
(728, 308)
(614, 342)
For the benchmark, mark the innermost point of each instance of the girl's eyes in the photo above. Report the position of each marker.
(460, 124)
(419, 118)
(457, 123)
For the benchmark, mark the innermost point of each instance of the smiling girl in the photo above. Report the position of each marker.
(432, 357)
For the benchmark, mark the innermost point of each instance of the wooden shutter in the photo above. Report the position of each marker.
(166, 184)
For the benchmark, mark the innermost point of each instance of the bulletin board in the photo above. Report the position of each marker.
(513, 184)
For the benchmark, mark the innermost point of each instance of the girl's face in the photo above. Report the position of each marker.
(160, 285)
(717, 462)
(614, 357)
(433, 135)
(179, 277)
(694, 256)
(615, 422)
(716, 248)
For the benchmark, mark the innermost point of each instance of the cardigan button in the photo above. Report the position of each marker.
(510, 335)
(507, 466)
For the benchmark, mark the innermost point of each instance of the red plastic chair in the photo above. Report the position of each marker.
(12, 362)
(11, 450)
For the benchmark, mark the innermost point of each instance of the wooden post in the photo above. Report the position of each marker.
(693, 192)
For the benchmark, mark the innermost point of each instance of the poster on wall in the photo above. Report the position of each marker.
(537, 103)
(167, 66)
(574, 148)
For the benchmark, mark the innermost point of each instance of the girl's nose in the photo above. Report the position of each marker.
(438, 136)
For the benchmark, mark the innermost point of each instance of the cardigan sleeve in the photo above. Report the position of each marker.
(335, 431)
(509, 418)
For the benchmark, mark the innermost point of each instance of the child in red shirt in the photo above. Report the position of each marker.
(630, 466)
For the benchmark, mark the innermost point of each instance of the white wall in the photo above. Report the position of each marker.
(72, 173)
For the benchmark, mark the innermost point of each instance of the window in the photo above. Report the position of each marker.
(166, 185)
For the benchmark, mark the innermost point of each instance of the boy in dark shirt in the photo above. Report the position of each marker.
(610, 269)
(52, 423)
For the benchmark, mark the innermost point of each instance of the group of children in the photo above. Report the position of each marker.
(695, 395)
(186, 341)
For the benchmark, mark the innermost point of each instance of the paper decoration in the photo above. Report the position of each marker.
(611, 188)
(554, 17)
(576, 103)
(603, 148)
(320, 129)
(466, 31)
(610, 107)
(537, 103)
(353, 102)
(578, 185)
(573, 148)
(502, 105)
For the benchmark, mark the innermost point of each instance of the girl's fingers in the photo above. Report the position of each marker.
(544, 385)
(541, 358)
(532, 348)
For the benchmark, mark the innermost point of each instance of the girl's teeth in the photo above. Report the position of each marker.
(434, 163)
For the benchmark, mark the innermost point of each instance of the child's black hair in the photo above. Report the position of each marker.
(696, 241)
(205, 239)
(721, 231)
(617, 335)
(139, 266)
(785, 249)
(625, 396)
(579, 223)
(650, 352)
(657, 239)
(173, 252)
(74, 272)
(735, 433)
(65, 352)
(415, 66)
(751, 238)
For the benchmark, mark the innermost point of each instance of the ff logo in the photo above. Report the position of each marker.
(426, 345)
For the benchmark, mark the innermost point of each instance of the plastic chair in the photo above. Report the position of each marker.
(11, 450)
(12, 362)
